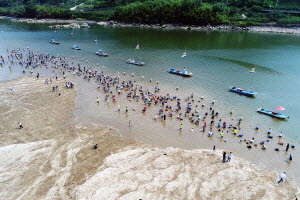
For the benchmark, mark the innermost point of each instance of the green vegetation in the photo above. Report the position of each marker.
(189, 12)
(170, 11)
(290, 20)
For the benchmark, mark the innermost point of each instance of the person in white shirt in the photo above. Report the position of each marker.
(229, 157)
(282, 177)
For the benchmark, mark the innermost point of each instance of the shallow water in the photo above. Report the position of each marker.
(217, 59)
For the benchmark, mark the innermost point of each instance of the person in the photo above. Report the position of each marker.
(229, 157)
(20, 125)
(231, 112)
(257, 127)
(222, 134)
(213, 150)
(287, 147)
(126, 109)
(224, 124)
(98, 100)
(95, 146)
(280, 135)
(224, 156)
(235, 131)
(180, 127)
(119, 108)
(177, 87)
(282, 177)
(290, 158)
(269, 131)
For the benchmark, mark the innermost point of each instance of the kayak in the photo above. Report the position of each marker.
(242, 91)
(101, 53)
(133, 62)
(272, 114)
(75, 47)
(54, 42)
(180, 73)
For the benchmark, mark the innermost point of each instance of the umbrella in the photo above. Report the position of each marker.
(279, 108)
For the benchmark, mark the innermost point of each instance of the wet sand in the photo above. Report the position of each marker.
(52, 157)
(49, 157)
(166, 134)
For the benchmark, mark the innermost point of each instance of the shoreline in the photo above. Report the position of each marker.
(265, 28)
(68, 167)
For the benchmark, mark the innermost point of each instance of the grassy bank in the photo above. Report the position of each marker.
(186, 12)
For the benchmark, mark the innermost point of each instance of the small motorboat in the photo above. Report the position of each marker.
(133, 62)
(272, 113)
(75, 47)
(242, 91)
(180, 73)
(101, 53)
(54, 42)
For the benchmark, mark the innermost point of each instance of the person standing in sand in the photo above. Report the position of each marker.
(290, 158)
(282, 177)
(213, 150)
(229, 157)
(287, 147)
(224, 156)
(20, 125)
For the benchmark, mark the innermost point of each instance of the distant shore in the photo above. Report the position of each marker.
(266, 28)
(271, 28)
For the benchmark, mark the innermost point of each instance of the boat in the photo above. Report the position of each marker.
(242, 91)
(101, 53)
(75, 47)
(52, 41)
(272, 113)
(180, 73)
(133, 62)
(84, 25)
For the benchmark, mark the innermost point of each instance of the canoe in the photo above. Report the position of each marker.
(133, 62)
(101, 53)
(272, 114)
(75, 47)
(180, 73)
(242, 91)
(54, 42)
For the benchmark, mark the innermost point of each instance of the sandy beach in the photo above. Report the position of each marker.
(52, 157)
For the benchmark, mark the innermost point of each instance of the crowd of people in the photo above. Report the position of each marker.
(190, 108)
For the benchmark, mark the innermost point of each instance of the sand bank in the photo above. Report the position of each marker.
(52, 158)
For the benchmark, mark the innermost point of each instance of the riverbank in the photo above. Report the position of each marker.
(271, 28)
(53, 158)
(47, 21)
(266, 28)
